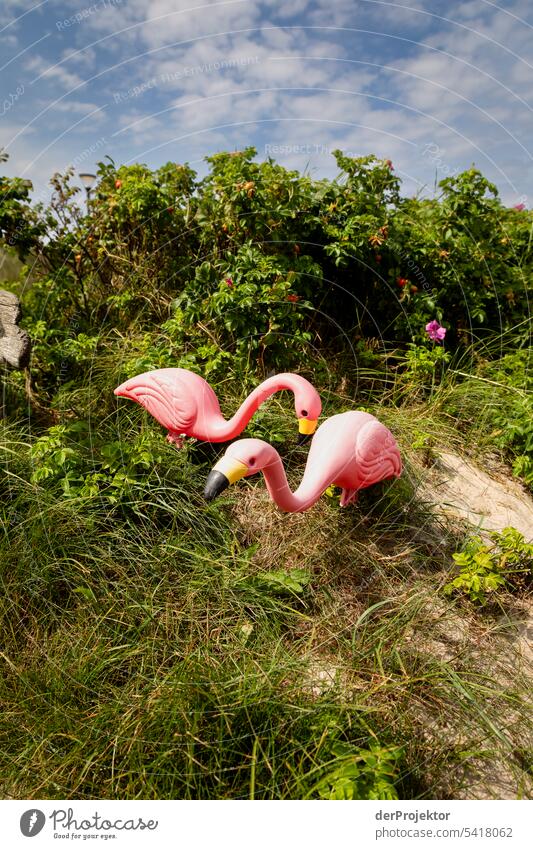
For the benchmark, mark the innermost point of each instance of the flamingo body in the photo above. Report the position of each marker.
(351, 450)
(186, 405)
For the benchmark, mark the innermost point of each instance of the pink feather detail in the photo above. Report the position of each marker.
(168, 401)
(376, 454)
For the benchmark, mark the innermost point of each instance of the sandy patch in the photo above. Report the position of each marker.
(462, 489)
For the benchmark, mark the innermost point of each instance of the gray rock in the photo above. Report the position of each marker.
(15, 344)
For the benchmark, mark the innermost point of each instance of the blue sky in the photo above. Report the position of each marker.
(433, 86)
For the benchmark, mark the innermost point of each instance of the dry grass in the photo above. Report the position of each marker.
(144, 656)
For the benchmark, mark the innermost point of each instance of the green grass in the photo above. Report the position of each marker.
(146, 653)
(154, 646)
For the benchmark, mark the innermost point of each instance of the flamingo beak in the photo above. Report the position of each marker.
(306, 428)
(226, 472)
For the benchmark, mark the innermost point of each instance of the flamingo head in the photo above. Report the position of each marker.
(308, 407)
(242, 458)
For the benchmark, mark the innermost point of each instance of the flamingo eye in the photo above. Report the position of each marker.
(304, 413)
(251, 461)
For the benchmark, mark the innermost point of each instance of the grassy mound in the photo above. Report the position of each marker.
(154, 646)
(157, 647)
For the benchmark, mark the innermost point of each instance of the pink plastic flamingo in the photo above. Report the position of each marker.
(351, 450)
(185, 404)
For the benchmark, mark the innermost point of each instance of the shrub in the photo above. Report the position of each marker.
(486, 569)
(68, 456)
(361, 774)
(513, 420)
(256, 263)
(20, 228)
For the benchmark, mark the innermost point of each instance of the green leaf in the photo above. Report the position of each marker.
(87, 593)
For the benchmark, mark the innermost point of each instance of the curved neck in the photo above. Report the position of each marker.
(280, 492)
(231, 428)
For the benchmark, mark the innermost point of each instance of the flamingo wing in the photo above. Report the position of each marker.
(165, 396)
(377, 454)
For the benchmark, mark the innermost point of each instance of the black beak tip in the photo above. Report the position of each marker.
(215, 484)
(303, 437)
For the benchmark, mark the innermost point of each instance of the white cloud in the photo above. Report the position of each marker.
(84, 58)
(38, 66)
(461, 83)
(79, 107)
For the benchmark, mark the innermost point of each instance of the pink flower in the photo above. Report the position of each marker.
(435, 331)
(389, 165)
(229, 282)
(519, 206)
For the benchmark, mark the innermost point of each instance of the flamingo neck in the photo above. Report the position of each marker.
(280, 491)
(226, 430)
